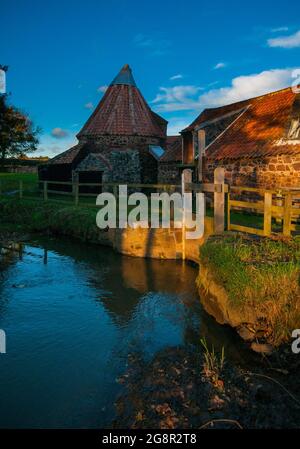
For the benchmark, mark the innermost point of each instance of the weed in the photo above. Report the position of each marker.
(213, 363)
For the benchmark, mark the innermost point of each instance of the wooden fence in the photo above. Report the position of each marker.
(278, 211)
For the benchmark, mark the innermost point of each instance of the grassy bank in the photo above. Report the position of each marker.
(258, 273)
(36, 216)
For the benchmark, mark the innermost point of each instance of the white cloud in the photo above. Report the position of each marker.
(102, 89)
(279, 29)
(176, 77)
(220, 65)
(89, 105)
(59, 133)
(291, 41)
(243, 87)
(176, 98)
(51, 146)
(189, 98)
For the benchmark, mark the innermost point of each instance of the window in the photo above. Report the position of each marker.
(156, 151)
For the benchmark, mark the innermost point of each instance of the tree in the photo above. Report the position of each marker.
(17, 133)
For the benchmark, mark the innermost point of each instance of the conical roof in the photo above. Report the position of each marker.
(124, 111)
(124, 77)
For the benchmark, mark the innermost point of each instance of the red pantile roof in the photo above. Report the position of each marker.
(259, 130)
(173, 150)
(124, 111)
(215, 113)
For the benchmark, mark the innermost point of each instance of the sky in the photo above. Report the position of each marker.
(185, 56)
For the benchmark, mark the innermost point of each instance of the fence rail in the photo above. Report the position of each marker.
(280, 207)
(277, 210)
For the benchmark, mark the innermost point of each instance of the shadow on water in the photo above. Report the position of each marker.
(73, 313)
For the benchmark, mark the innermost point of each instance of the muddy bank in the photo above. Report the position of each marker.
(249, 322)
(252, 284)
(174, 391)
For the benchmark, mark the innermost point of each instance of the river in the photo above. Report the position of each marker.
(72, 313)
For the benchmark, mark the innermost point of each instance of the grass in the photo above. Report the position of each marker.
(26, 177)
(261, 273)
(213, 363)
(10, 182)
(36, 216)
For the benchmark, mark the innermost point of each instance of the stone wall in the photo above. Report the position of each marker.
(113, 141)
(116, 166)
(269, 172)
(125, 167)
(155, 243)
(169, 173)
(149, 166)
(143, 171)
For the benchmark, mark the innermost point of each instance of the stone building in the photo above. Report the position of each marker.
(169, 167)
(122, 141)
(257, 141)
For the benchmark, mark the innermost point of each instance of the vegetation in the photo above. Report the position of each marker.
(213, 364)
(10, 182)
(18, 135)
(261, 273)
(37, 216)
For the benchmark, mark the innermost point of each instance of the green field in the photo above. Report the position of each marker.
(10, 182)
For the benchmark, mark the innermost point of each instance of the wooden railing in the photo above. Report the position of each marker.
(278, 207)
(277, 211)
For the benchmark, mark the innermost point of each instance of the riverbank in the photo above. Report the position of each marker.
(252, 284)
(177, 390)
(80, 223)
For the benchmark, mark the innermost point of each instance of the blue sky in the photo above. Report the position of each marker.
(185, 56)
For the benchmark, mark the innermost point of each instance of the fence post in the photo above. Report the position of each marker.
(228, 211)
(45, 190)
(186, 178)
(219, 201)
(76, 193)
(287, 214)
(20, 189)
(267, 213)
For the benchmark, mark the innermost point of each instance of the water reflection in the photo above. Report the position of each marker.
(72, 314)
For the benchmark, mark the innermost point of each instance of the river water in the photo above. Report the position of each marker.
(72, 313)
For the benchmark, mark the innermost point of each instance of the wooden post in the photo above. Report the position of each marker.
(20, 189)
(219, 201)
(267, 213)
(76, 193)
(279, 202)
(287, 214)
(45, 190)
(201, 146)
(186, 177)
(228, 211)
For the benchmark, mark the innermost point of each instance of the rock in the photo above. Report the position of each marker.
(262, 348)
